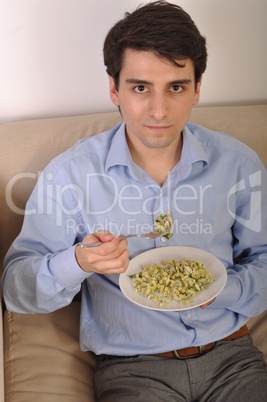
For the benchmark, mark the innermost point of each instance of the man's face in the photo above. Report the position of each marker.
(155, 97)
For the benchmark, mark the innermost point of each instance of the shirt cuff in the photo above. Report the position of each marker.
(66, 269)
(230, 295)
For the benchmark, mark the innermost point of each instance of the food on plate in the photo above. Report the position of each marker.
(172, 280)
(164, 225)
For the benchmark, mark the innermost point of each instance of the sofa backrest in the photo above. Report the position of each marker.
(27, 146)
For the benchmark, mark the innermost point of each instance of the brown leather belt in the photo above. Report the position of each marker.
(186, 353)
(195, 351)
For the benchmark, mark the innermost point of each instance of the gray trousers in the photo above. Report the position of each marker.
(233, 371)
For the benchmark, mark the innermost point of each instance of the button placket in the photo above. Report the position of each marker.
(187, 316)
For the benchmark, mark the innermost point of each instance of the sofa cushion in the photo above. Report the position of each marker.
(43, 360)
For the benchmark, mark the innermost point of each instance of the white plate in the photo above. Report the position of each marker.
(212, 263)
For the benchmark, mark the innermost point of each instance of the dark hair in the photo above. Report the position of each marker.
(160, 27)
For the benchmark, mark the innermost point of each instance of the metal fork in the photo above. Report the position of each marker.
(148, 236)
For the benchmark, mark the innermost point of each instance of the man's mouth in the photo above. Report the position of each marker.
(157, 127)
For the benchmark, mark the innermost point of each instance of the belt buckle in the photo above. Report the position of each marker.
(201, 352)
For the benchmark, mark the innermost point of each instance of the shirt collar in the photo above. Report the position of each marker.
(192, 149)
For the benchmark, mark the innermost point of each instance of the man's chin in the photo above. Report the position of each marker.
(157, 144)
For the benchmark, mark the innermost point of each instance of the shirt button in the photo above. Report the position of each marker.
(188, 316)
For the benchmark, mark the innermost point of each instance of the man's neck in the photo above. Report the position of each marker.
(156, 162)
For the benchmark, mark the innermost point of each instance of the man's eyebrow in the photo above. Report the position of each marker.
(137, 81)
(180, 82)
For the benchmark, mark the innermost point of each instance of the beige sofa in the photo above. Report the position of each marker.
(41, 357)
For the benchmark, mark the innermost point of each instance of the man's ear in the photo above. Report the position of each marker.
(197, 92)
(113, 93)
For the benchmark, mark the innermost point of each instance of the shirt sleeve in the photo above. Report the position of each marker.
(41, 272)
(246, 288)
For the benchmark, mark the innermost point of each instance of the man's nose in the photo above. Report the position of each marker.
(158, 106)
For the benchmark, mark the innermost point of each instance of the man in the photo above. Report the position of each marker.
(118, 182)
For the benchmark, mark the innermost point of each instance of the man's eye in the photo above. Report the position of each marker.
(140, 88)
(176, 88)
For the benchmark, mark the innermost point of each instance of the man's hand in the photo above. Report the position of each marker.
(206, 304)
(111, 257)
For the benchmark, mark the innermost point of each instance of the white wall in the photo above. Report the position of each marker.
(51, 54)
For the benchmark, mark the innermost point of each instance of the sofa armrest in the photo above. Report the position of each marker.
(258, 329)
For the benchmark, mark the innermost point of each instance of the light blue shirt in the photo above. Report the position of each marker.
(217, 198)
